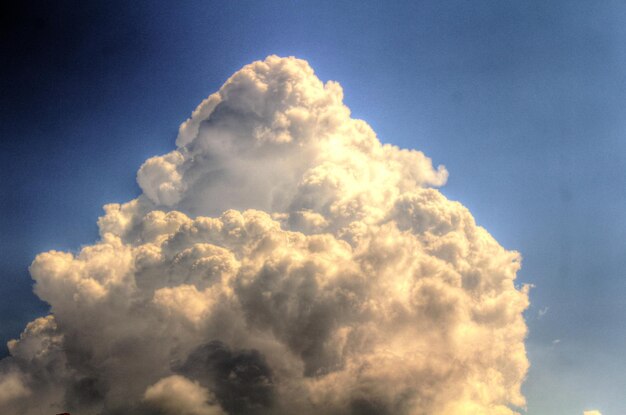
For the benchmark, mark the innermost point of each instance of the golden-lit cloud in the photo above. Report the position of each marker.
(280, 260)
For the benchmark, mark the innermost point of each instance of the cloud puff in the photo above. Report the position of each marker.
(12, 387)
(592, 413)
(281, 260)
(176, 395)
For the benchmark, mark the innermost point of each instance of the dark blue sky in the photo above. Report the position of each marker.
(523, 101)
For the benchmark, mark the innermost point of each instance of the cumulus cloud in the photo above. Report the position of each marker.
(176, 395)
(280, 260)
(12, 387)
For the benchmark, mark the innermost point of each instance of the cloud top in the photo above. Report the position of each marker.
(280, 260)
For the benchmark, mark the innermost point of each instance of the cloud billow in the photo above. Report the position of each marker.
(280, 260)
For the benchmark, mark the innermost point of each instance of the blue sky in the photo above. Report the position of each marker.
(522, 101)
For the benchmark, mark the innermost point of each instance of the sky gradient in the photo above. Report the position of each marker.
(522, 102)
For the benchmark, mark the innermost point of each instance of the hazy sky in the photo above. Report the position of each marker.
(523, 102)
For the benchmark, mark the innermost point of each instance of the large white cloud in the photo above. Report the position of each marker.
(281, 260)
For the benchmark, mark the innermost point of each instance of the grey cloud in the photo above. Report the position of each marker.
(240, 379)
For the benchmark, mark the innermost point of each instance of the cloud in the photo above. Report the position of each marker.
(12, 387)
(176, 395)
(592, 413)
(280, 260)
